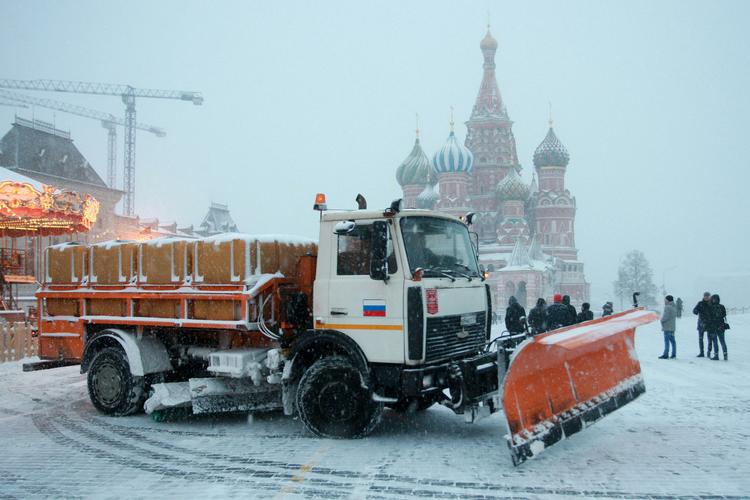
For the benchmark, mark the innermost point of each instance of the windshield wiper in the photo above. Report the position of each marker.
(463, 275)
(439, 271)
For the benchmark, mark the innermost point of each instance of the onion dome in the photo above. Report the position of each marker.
(428, 197)
(512, 187)
(453, 157)
(488, 43)
(416, 168)
(551, 152)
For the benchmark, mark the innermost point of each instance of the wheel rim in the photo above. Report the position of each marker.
(337, 402)
(108, 384)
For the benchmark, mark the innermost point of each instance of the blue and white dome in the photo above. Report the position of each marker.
(453, 157)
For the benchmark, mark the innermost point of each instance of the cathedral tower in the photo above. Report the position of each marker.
(490, 138)
(554, 207)
(414, 174)
(453, 164)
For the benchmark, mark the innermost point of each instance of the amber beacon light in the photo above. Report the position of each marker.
(320, 202)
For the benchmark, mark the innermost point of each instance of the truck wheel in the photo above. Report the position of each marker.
(332, 402)
(112, 388)
(412, 404)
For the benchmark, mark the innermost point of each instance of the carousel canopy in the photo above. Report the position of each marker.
(30, 208)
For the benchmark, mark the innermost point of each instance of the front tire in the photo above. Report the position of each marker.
(333, 403)
(113, 390)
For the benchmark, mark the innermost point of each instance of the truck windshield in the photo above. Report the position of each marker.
(439, 246)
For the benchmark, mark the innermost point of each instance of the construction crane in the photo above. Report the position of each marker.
(108, 121)
(128, 95)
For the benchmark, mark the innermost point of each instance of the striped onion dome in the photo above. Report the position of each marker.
(416, 168)
(512, 187)
(453, 157)
(551, 152)
(428, 197)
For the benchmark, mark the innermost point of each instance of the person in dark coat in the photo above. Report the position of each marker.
(586, 313)
(557, 314)
(607, 309)
(679, 307)
(717, 324)
(702, 309)
(536, 317)
(572, 313)
(515, 317)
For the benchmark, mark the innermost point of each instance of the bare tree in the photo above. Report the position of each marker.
(635, 275)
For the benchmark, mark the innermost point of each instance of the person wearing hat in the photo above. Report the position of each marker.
(703, 310)
(586, 313)
(668, 326)
(557, 314)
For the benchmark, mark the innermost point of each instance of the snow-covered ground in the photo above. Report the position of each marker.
(686, 437)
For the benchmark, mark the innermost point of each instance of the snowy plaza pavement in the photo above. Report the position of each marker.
(686, 437)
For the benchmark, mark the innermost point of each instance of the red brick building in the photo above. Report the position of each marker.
(526, 231)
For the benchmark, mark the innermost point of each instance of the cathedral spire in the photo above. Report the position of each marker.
(489, 103)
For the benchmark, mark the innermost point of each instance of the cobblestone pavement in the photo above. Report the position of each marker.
(685, 438)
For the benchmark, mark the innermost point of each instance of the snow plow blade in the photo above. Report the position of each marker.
(560, 382)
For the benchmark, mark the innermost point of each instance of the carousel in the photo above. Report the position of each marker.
(31, 212)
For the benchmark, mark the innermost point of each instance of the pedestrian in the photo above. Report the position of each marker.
(572, 314)
(679, 307)
(607, 309)
(668, 326)
(717, 325)
(536, 317)
(586, 313)
(702, 309)
(556, 315)
(494, 318)
(515, 317)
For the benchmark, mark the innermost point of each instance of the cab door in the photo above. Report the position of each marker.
(368, 310)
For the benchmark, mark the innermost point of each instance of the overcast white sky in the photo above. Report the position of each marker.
(651, 99)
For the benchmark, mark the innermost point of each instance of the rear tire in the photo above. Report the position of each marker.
(332, 402)
(113, 390)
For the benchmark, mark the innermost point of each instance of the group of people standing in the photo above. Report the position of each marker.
(712, 320)
(542, 318)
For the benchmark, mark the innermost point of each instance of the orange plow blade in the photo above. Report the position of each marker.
(560, 382)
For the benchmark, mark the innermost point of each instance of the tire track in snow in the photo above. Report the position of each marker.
(46, 425)
(409, 486)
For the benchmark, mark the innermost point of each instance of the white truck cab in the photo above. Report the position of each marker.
(403, 291)
(428, 256)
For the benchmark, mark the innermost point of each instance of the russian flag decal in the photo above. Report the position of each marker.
(373, 307)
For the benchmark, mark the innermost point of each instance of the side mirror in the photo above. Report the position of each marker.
(379, 251)
(344, 227)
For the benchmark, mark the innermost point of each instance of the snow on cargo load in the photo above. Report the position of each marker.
(240, 258)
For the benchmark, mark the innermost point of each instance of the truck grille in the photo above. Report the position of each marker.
(443, 343)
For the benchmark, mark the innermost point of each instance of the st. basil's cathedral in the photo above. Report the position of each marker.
(526, 232)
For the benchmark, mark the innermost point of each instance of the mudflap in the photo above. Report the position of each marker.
(560, 382)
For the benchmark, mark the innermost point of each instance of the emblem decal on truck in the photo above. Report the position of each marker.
(373, 308)
(432, 300)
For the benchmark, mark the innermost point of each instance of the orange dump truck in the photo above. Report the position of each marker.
(388, 308)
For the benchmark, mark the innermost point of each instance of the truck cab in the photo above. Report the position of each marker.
(405, 286)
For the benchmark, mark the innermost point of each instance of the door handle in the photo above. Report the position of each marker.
(339, 312)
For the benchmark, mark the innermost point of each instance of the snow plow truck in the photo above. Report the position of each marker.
(389, 308)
